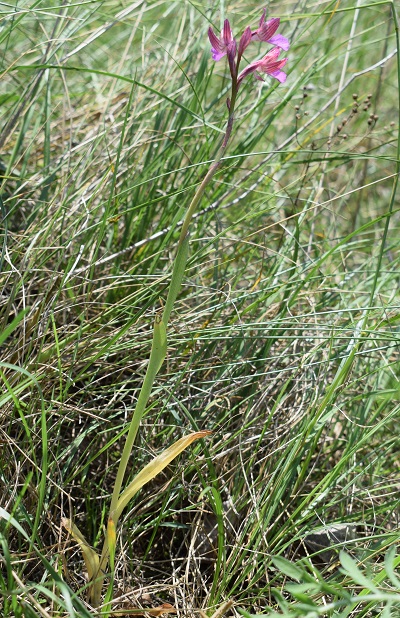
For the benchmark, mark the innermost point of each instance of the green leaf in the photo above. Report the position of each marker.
(10, 327)
(296, 589)
(177, 277)
(288, 568)
(159, 346)
(351, 568)
(280, 599)
(390, 557)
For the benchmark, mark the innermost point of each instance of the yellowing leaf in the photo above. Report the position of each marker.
(89, 555)
(155, 467)
(111, 534)
(112, 540)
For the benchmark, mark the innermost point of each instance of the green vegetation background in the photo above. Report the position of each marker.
(284, 341)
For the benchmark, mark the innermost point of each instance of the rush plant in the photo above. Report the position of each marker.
(98, 565)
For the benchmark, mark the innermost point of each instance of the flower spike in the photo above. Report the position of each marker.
(270, 64)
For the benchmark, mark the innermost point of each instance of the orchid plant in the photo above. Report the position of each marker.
(97, 566)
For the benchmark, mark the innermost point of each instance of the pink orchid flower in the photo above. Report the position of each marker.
(269, 65)
(226, 45)
(266, 32)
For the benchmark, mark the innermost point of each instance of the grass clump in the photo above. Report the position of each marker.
(283, 341)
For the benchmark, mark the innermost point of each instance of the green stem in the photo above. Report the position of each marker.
(176, 280)
(157, 355)
(159, 347)
(209, 176)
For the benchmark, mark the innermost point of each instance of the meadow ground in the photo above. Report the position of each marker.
(284, 340)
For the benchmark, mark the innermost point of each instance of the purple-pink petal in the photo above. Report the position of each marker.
(267, 30)
(280, 41)
(279, 75)
(244, 40)
(253, 66)
(226, 34)
(231, 51)
(224, 45)
(270, 65)
(216, 55)
(216, 44)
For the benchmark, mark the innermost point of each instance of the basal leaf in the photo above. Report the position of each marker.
(155, 467)
(89, 555)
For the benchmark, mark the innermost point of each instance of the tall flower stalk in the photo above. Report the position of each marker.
(271, 65)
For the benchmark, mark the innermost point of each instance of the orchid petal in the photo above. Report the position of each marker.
(224, 45)
(280, 41)
(231, 51)
(253, 66)
(266, 32)
(244, 40)
(268, 29)
(279, 75)
(216, 44)
(216, 55)
(226, 34)
(270, 65)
